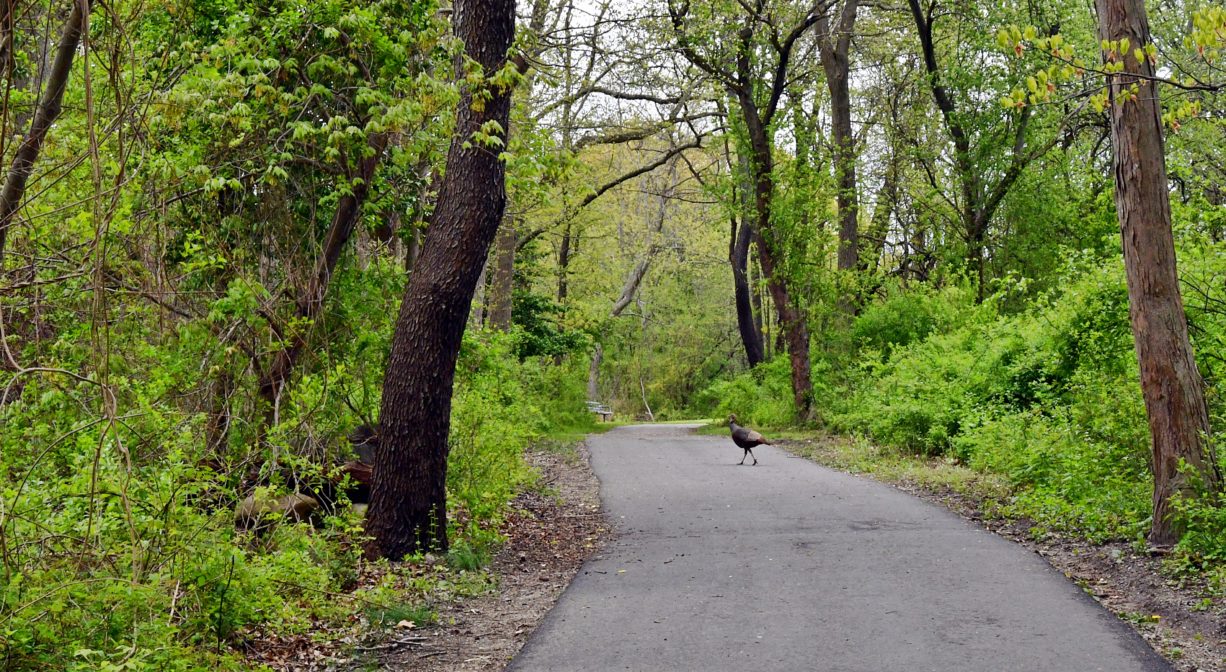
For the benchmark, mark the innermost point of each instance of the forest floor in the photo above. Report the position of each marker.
(1181, 618)
(552, 529)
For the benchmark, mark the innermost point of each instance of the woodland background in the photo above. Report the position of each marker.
(200, 278)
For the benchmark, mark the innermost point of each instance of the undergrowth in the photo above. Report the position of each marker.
(118, 542)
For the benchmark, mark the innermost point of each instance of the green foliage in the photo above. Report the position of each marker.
(1203, 520)
(904, 317)
(761, 397)
(541, 327)
(1048, 398)
(926, 393)
(493, 421)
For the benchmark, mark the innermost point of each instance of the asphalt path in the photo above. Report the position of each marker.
(792, 566)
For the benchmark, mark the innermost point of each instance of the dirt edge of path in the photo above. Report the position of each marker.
(1181, 621)
(551, 531)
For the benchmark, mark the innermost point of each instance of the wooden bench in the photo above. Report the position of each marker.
(605, 413)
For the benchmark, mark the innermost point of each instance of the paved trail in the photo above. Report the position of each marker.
(790, 566)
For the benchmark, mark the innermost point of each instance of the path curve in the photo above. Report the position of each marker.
(792, 566)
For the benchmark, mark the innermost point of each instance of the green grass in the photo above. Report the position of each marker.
(859, 456)
(387, 616)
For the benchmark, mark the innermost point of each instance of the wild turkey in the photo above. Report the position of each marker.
(746, 438)
(260, 511)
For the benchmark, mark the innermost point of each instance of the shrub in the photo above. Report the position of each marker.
(761, 396)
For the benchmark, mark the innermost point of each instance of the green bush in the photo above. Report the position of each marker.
(927, 392)
(1048, 397)
(760, 397)
(904, 317)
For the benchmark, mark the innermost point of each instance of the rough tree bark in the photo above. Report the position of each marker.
(1170, 382)
(408, 509)
(49, 109)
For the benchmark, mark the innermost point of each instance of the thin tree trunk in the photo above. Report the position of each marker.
(883, 210)
(310, 299)
(1170, 382)
(795, 334)
(751, 334)
(748, 323)
(564, 263)
(476, 317)
(761, 319)
(408, 509)
(593, 373)
(630, 287)
(502, 286)
(834, 47)
(49, 109)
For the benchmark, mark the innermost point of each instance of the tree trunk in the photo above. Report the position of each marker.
(761, 319)
(795, 333)
(791, 323)
(883, 211)
(310, 299)
(976, 243)
(563, 263)
(504, 276)
(630, 287)
(48, 110)
(593, 374)
(833, 48)
(751, 335)
(408, 509)
(1170, 382)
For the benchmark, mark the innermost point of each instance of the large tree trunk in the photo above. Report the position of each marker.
(408, 509)
(48, 111)
(1170, 382)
